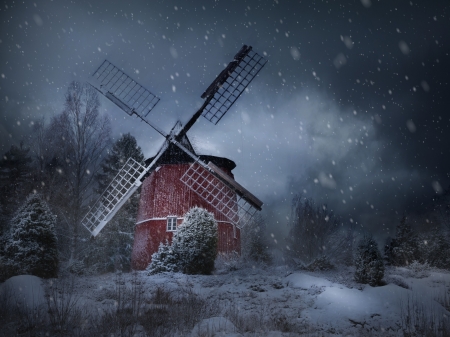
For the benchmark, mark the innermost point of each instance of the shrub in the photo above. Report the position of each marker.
(254, 241)
(164, 260)
(320, 263)
(194, 246)
(195, 242)
(419, 270)
(368, 262)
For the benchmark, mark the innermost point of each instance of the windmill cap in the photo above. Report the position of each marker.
(221, 162)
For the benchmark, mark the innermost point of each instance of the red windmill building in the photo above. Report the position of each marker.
(177, 179)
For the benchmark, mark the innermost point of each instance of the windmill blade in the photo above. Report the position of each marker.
(227, 87)
(231, 83)
(218, 189)
(122, 187)
(222, 192)
(125, 92)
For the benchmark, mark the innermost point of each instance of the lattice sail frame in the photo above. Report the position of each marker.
(131, 97)
(239, 77)
(116, 194)
(219, 195)
(120, 88)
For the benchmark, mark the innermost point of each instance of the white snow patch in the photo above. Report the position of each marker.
(215, 326)
(26, 290)
(304, 281)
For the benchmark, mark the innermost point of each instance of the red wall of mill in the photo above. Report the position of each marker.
(163, 194)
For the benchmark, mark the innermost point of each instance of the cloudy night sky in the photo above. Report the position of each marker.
(352, 108)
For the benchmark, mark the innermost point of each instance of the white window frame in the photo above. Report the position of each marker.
(171, 224)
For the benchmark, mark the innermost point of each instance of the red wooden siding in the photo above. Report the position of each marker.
(163, 194)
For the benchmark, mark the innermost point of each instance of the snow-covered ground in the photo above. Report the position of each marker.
(272, 301)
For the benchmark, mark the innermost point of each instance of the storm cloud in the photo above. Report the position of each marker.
(351, 109)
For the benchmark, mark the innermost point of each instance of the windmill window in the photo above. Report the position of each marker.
(171, 224)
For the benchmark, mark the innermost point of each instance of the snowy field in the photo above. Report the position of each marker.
(271, 301)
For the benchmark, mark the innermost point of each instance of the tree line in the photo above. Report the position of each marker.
(318, 239)
(67, 162)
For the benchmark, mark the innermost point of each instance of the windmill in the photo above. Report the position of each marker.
(177, 178)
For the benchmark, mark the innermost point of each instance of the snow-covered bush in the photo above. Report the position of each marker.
(254, 241)
(228, 262)
(419, 270)
(195, 242)
(368, 262)
(76, 267)
(31, 245)
(164, 260)
(320, 263)
(434, 248)
(194, 246)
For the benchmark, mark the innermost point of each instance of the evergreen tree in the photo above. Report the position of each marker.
(15, 180)
(31, 246)
(441, 212)
(388, 250)
(195, 242)
(124, 148)
(111, 250)
(368, 262)
(194, 246)
(402, 250)
(434, 248)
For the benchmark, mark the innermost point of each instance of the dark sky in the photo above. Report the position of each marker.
(352, 108)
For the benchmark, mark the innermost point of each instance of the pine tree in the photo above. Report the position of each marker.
(195, 242)
(124, 148)
(15, 179)
(368, 262)
(31, 246)
(390, 244)
(402, 250)
(111, 250)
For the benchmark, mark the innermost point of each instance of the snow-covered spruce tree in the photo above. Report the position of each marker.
(195, 242)
(368, 262)
(111, 250)
(164, 260)
(402, 249)
(31, 246)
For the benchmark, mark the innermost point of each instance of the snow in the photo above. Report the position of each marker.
(322, 303)
(27, 290)
(305, 281)
(219, 326)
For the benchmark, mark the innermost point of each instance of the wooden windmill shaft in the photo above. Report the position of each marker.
(205, 179)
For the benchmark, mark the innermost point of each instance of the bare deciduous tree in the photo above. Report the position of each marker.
(79, 137)
(315, 232)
